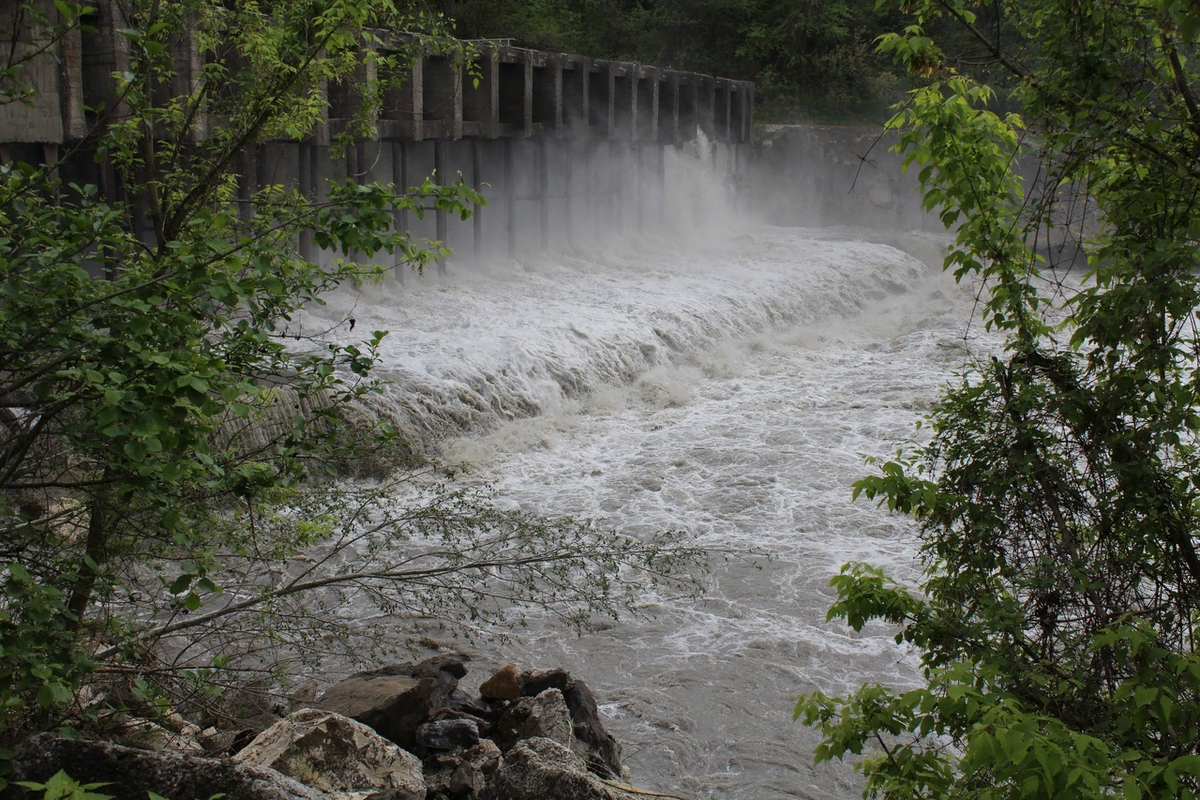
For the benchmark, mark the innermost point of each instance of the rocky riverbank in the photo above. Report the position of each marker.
(401, 732)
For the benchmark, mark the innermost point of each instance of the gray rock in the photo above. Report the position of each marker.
(603, 751)
(130, 772)
(540, 769)
(478, 764)
(448, 734)
(545, 716)
(395, 699)
(536, 681)
(333, 753)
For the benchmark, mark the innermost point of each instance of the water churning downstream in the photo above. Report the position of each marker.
(726, 386)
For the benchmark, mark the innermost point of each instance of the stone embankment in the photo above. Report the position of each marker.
(402, 732)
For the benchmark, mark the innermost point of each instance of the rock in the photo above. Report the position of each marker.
(150, 735)
(604, 753)
(478, 764)
(535, 681)
(395, 699)
(462, 773)
(448, 734)
(452, 667)
(540, 769)
(504, 685)
(131, 772)
(220, 743)
(333, 753)
(545, 716)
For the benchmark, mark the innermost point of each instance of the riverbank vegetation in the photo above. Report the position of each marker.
(169, 513)
(1058, 496)
(810, 61)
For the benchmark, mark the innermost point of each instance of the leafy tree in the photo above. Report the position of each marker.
(163, 435)
(1058, 496)
(808, 59)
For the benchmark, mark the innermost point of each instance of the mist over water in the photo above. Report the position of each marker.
(715, 376)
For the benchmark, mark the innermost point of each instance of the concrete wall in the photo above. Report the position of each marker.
(562, 145)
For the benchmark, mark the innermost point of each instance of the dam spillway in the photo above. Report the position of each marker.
(559, 143)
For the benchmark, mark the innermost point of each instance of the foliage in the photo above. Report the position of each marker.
(1057, 498)
(808, 59)
(61, 786)
(163, 435)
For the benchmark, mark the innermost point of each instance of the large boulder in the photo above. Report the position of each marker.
(540, 769)
(462, 774)
(603, 750)
(504, 685)
(131, 772)
(545, 716)
(448, 734)
(395, 699)
(333, 753)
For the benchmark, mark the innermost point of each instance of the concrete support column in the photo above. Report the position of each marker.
(568, 192)
(400, 181)
(439, 167)
(589, 185)
(477, 184)
(245, 191)
(543, 172)
(303, 180)
(639, 186)
(660, 183)
(510, 198)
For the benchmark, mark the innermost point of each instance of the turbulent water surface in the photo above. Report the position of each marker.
(727, 383)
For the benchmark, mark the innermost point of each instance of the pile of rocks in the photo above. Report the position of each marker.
(403, 732)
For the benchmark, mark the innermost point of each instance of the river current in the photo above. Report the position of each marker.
(725, 379)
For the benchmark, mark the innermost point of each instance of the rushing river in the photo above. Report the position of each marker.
(727, 381)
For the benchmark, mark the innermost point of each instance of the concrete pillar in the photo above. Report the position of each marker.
(477, 185)
(510, 198)
(481, 104)
(639, 185)
(303, 179)
(660, 183)
(589, 184)
(543, 170)
(442, 96)
(400, 181)
(245, 188)
(527, 63)
(439, 168)
(568, 192)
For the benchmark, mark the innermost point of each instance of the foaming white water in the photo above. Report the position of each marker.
(729, 391)
(513, 339)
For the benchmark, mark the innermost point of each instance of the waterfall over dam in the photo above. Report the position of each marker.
(556, 140)
(714, 375)
(619, 337)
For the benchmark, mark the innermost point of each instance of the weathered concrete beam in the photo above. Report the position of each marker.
(624, 101)
(518, 93)
(576, 99)
(545, 95)
(666, 108)
(481, 103)
(344, 98)
(645, 128)
(705, 105)
(442, 98)
(402, 116)
(721, 109)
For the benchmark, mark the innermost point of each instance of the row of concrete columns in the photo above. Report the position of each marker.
(542, 192)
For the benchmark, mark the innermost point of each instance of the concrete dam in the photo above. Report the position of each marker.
(558, 143)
